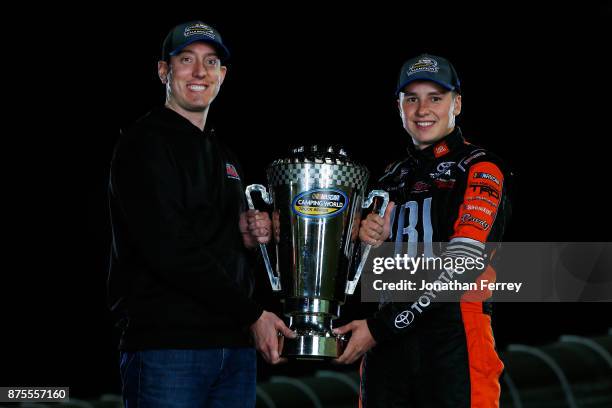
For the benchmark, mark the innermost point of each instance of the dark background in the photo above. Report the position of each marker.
(536, 90)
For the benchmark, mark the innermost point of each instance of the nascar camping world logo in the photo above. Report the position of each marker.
(424, 64)
(320, 203)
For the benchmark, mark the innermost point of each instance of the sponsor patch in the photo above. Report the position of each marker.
(231, 171)
(465, 162)
(440, 150)
(486, 176)
(471, 207)
(444, 184)
(484, 189)
(391, 168)
(470, 219)
(420, 187)
(482, 198)
(443, 169)
(320, 203)
(403, 319)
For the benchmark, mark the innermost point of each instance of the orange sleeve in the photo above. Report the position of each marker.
(480, 203)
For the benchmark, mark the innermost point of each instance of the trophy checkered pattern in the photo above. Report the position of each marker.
(319, 174)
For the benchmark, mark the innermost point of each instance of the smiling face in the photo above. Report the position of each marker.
(193, 78)
(428, 112)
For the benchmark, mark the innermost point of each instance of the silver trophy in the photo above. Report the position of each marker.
(317, 195)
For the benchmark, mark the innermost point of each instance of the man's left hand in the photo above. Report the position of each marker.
(360, 342)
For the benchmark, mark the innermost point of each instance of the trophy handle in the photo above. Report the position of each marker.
(352, 284)
(274, 280)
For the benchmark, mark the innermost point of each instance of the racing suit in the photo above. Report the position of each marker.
(440, 354)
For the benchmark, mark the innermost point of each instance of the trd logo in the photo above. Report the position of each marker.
(485, 189)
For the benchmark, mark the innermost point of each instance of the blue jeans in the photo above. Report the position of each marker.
(189, 378)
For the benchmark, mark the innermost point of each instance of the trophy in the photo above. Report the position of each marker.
(318, 194)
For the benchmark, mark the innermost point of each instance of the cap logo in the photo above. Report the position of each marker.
(199, 29)
(424, 64)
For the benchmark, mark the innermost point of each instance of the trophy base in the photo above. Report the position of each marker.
(313, 347)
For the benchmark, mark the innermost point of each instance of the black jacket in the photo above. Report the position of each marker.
(178, 276)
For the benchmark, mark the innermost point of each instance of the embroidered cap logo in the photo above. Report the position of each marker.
(424, 64)
(199, 29)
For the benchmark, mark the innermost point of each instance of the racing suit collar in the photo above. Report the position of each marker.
(442, 148)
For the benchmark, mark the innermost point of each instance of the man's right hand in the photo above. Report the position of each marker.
(375, 229)
(267, 341)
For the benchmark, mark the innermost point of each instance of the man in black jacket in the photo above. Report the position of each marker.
(179, 279)
(450, 192)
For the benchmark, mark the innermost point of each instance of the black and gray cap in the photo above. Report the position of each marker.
(427, 67)
(187, 33)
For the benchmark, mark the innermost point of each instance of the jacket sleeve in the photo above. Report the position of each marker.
(483, 198)
(146, 182)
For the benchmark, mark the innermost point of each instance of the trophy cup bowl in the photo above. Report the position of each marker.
(318, 194)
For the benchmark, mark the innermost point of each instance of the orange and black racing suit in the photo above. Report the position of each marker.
(441, 355)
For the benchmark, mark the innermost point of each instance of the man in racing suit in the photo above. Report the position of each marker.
(446, 191)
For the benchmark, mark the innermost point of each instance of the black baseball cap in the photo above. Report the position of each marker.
(187, 33)
(427, 67)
